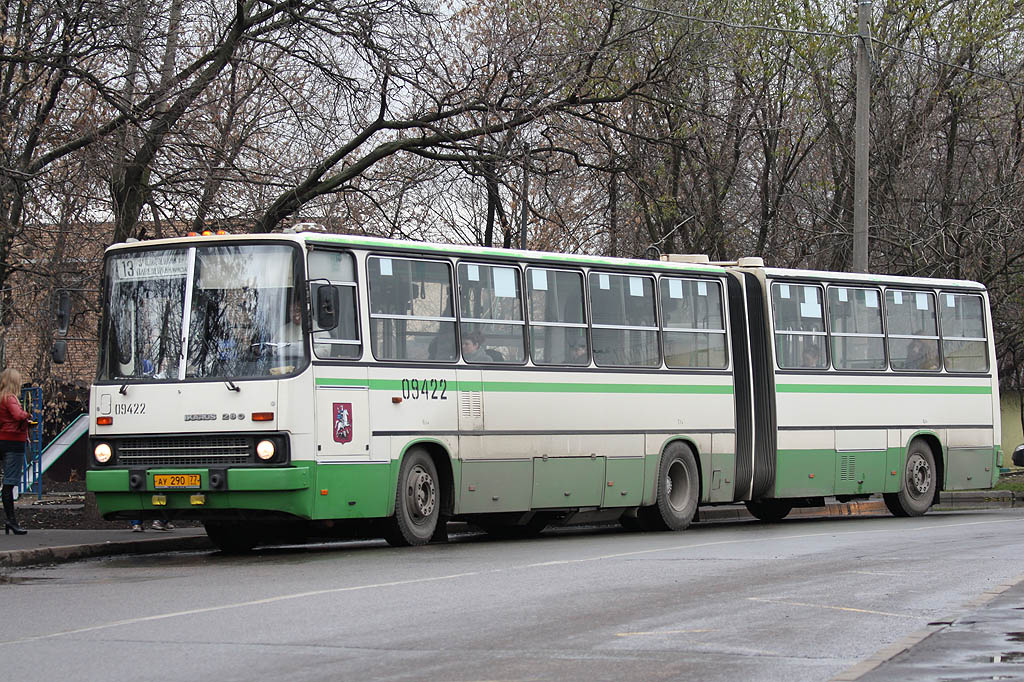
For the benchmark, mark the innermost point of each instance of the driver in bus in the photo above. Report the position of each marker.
(291, 331)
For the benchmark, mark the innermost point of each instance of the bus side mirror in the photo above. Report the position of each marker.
(59, 352)
(327, 304)
(63, 312)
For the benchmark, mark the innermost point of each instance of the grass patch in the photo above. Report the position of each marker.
(1015, 484)
(1014, 480)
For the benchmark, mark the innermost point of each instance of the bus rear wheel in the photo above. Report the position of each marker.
(231, 538)
(769, 511)
(417, 502)
(678, 491)
(917, 488)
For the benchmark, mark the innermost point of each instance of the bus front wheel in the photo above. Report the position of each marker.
(917, 489)
(417, 502)
(678, 491)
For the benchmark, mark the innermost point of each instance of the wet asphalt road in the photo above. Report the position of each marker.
(804, 599)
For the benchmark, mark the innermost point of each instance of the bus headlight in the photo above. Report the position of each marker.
(102, 453)
(265, 450)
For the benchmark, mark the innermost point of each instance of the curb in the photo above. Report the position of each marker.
(66, 553)
(61, 554)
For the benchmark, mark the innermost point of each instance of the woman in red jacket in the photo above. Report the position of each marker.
(14, 423)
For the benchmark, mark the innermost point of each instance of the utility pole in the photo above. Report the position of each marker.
(860, 180)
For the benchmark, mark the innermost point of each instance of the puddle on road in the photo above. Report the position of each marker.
(22, 579)
(1010, 657)
(1015, 636)
(1007, 657)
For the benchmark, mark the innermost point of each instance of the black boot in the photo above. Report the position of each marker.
(11, 525)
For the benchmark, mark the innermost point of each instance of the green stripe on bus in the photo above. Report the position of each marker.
(544, 387)
(455, 249)
(919, 389)
(539, 386)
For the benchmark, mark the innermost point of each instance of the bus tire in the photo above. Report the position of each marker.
(678, 491)
(417, 502)
(769, 511)
(917, 488)
(230, 538)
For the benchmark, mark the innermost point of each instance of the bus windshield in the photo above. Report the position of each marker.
(242, 305)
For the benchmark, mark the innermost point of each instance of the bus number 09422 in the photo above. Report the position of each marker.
(425, 389)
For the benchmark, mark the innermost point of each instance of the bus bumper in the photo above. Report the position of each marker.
(278, 491)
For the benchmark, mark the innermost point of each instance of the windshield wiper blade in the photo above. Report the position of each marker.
(231, 386)
(123, 390)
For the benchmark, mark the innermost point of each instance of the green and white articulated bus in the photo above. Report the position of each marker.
(306, 384)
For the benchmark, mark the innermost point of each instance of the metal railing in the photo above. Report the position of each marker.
(32, 402)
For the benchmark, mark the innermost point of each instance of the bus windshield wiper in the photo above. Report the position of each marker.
(123, 390)
(231, 386)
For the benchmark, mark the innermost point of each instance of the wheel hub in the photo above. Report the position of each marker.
(421, 493)
(675, 485)
(918, 476)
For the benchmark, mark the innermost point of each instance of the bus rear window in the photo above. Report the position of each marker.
(963, 332)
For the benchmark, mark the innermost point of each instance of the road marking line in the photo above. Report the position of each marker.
(658, 632)
(236, 605)
(834, 608)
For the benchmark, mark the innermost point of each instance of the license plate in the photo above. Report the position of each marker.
(164, 481)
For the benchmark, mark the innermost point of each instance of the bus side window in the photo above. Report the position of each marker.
(855, 328)
(625, 327)
(558, 324)
(491, 310)
(912, 330)
(693, 324)
(799, 326)
(410, 307)
(341, 339)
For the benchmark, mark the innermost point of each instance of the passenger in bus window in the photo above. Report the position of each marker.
(442, 346)
(921, 354)
(472, 350)
(578, 353)
(814, 356)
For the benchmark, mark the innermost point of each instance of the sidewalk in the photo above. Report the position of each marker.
(982, 642)
(50, 546)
